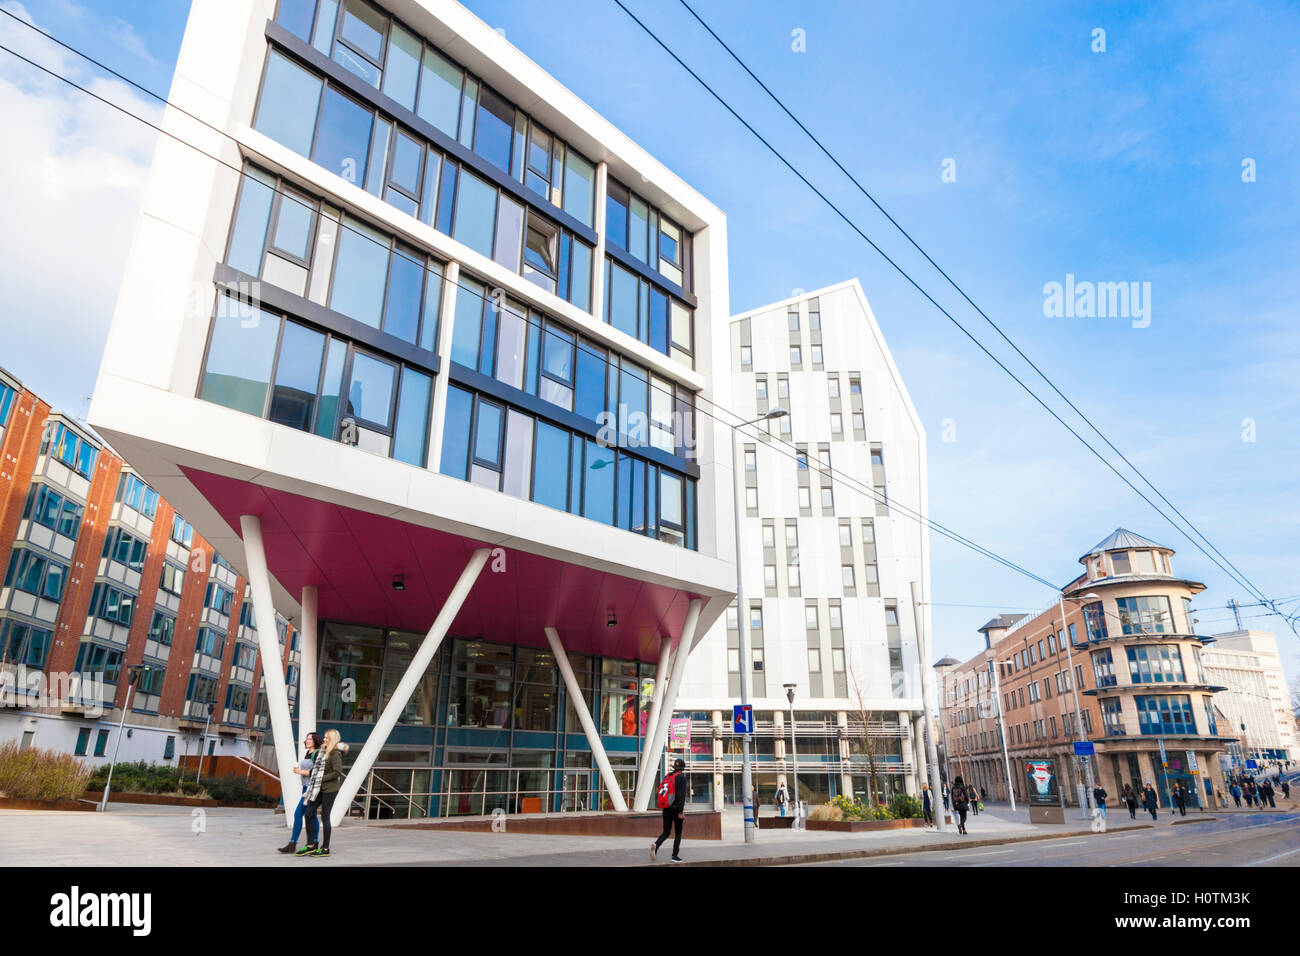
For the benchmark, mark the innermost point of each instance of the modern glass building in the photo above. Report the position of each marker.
(429, 350)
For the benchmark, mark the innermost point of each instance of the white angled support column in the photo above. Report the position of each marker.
(641, 799)
(268, 642)
(308, 712)
(656, 708)
(406, 686)
(579, 704)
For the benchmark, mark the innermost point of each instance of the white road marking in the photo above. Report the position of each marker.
(1270, 859)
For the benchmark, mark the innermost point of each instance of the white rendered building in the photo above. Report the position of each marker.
(420, 351)
(1247, 663)
(830, 559)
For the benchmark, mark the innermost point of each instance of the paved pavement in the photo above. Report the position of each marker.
(144, 835)
(1260, 839)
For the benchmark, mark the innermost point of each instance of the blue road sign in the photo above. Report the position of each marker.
(742, 718)
(1084, 748)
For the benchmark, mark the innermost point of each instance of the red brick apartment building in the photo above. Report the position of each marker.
(101, 577)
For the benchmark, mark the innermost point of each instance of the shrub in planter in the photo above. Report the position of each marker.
(904, 807)
(826, 811)
(36, 774)
(233, 789)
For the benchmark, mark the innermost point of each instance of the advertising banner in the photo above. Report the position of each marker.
(679, 734)
(1042, 783)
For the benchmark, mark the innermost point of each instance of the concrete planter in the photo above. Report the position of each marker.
(162, 799)
(22, 803)
(858, 826)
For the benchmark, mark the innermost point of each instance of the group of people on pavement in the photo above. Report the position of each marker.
(322, 771)
(1259, 793)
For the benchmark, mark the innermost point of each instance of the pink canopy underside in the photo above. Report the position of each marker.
(353, 556)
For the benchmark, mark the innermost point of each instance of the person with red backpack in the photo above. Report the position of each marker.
(672, 801)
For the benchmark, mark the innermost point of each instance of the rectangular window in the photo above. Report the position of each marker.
(1155, 664)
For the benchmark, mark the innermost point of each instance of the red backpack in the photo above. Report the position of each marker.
(667, 791)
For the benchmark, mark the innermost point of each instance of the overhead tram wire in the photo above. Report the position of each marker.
(901, 271)
(962, 292)
(847, 481)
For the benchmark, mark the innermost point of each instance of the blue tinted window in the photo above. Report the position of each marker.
(468, 324)
(294, 398)
(248, 235)
(405, 284)
(622, 292)
(331, 389)
(407, 154)
(598, 484)
(589, 396)
(402, 70)
(440, 84)
(455, 432)
(658, 320)
(447, 197)
(495, 128)
(633, 420)
(296, 17)
(238, 370)
(359, 273)
(432, 307)
(290, 99)
(579, 292)
(293, 228)
(551, 467)
(487, 434)
(476, 210)
(411, 433)
(579, 187)
(370, 394)
(343, 140)
(616, 216)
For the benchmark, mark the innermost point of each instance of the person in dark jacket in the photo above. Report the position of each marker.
(1130, 800)
(312, 743)
(1149, 802)
(1180, 799)
(675, 812)
(960, 802)
(1099, 799)
(927, 805)
(323, 786)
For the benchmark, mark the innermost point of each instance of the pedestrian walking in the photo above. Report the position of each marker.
(1149, 802)
(973, 797)
(1131, 800)
(1099, 799)
(782, 798)
(927, 807)
(960, 802)
(1268, 795)
(672, 801)
(1235, 791)
(947, 795)
(754, 799)
(312, 743)
(326, 778)
(1180, 799)
(1286, 790)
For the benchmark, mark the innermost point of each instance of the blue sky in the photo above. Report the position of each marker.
(1122, 166)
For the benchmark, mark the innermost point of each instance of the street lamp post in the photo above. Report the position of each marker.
(202, 741)
(1074, 686)
(794, 753)
(1002, 731)
(132, 675)
(743, 624)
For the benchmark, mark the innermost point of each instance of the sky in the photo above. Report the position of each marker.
(1013, 148)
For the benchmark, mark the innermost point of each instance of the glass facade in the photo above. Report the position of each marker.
(1155, 664)
(489, 725)
(1171, 714)
(369, 149)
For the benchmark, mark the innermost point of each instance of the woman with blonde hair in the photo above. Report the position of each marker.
(323, 786)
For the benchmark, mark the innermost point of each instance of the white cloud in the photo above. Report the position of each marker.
(71, 184)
